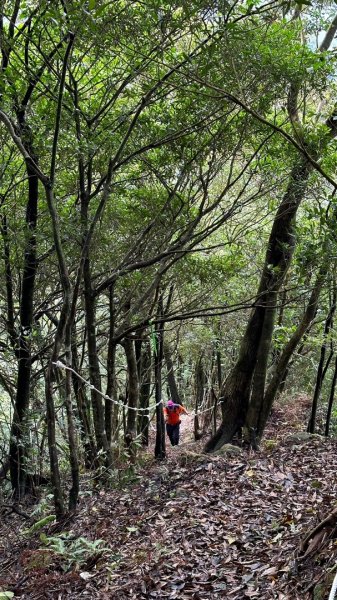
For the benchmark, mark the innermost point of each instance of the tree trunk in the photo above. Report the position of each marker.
(219, 381)
(199, 395)
(331, 400)
(281, 367)
(83, 409)
(51, 429)
(237, 387)
(10, 324)
(73, 446)
(320, 369)
(18, 443)
(138, 349)
(171, 380)
(94, 370)
(144, 393)
(160, 445)
(133, 391)
(214, 398)
(260, 373)
(58, 340)
(111, 409)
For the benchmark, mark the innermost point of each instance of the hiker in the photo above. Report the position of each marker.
(172, 414)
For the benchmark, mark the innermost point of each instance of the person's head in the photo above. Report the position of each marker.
(170, 404)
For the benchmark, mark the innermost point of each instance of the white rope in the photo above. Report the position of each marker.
(60, 365)
(333, 589)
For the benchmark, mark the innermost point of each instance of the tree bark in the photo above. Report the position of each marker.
(144, 393)
(94, 369)
(160, 445)
(171, 380)
(90, 321)
(133, 391)
(320, 369)
(260, 372)
(237, 387)
(10, 324)
(73, 445)
(331, 400)
(199, 395)
(219, 382)
(83, 409)
(18, 443)
(281, 367)
(111, 409)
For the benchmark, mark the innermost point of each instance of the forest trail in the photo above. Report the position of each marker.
(195, 527)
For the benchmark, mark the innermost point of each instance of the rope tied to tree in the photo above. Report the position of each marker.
(60, 365)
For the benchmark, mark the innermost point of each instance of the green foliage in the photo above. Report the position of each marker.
(74, 552)
(41, 523)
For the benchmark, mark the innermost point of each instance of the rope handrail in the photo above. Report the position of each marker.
(60, 365)
(333, 589)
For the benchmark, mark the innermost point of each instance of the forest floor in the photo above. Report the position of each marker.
(192, 527)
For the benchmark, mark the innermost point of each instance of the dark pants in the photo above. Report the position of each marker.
(173, 433)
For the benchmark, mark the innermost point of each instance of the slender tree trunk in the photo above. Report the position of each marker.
(331, 400)
(133, 391)
(282, 302)
(83, 409)
(328, 360)
(144, 393)
(64, 325)
(138, 349)
(199, 395)
(73, 445)
(111, 409)
(237, 387)
(214, 411)
(320, 369)
(219, 381)
(18, 443)
(9, 284)
(160, 445)
(58, 340)
(94, 369)
(171, 380)
(51, 431)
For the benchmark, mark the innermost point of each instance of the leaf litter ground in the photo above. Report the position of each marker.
(196, 527)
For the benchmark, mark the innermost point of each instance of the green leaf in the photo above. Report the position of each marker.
(6, 595)
(92, 4)
(39, 524)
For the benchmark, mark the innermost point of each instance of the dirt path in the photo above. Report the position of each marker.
(194, 527)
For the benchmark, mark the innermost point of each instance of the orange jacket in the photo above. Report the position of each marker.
(172, 416)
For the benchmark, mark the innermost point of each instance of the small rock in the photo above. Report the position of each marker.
(229, 449)
(301, 438)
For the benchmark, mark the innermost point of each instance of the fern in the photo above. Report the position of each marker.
(74, 552)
